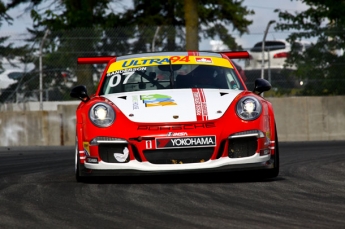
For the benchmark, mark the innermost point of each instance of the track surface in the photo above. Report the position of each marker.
(38, 190)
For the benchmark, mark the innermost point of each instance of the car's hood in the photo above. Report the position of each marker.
(178, 105)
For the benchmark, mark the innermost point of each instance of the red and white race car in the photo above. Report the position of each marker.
(176, 112)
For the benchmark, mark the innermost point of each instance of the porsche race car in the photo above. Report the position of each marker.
(173, 112)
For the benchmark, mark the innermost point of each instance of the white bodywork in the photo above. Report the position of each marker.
(147, 166)
(187, 104)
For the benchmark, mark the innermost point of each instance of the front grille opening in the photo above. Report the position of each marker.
(242, 147)
(179, 156)
(114, 153)
(221, 149)
(136, 153)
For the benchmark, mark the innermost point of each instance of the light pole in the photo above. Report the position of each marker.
(269, 65)
(41, 71)
(263, 48)
(153, 49)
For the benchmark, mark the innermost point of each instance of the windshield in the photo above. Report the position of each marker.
(170, 76)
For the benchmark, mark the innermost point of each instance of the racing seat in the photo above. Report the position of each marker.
(221, 82)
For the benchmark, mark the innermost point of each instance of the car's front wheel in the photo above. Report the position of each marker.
(77, 165)
(272, 173)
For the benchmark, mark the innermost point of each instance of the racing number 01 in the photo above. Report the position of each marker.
(148, 144)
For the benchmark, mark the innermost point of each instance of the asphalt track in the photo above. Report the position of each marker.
(38, 190)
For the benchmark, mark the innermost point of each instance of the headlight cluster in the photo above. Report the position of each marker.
(248, 108)
(102, 114)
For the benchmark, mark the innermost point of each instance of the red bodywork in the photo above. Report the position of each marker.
(127, 129)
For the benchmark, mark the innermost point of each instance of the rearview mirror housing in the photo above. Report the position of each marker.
(80, 92)
(261, 85)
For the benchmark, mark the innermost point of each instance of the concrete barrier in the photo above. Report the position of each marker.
(310, 118)
(30, 128)
(297, 119)
(67, 114)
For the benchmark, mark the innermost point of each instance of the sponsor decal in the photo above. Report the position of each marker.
(268, 138)
(86, 148)
(177, 134)
(155, 100)
(186, 142)
(92, 160)
(135, 102)
(200, 104)
(121, 157)
(203, 60)
(177, 127)
(154, 61)
(126, 70)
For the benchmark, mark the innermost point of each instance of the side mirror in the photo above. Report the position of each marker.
(80, 92)
(261, 85)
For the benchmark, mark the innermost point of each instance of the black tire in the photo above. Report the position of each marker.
(78, 167)
(272, 173)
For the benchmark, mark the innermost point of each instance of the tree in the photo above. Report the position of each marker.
(76, 30)
(9, 51)
(158, 24)
(87, 27)
(211, 17)
(192, 24)
(161, 23)
(216, 16)
(322, 65)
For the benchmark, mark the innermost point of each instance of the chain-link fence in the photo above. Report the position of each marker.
(60, 72)
(286, 82)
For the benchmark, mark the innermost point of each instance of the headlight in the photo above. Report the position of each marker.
(248, 108)
(102, 115)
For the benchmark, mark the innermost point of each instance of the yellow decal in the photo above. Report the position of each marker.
(268, 134)
(86, 147)
(166, 60)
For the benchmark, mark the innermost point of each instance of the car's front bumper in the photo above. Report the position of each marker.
(146, 168)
